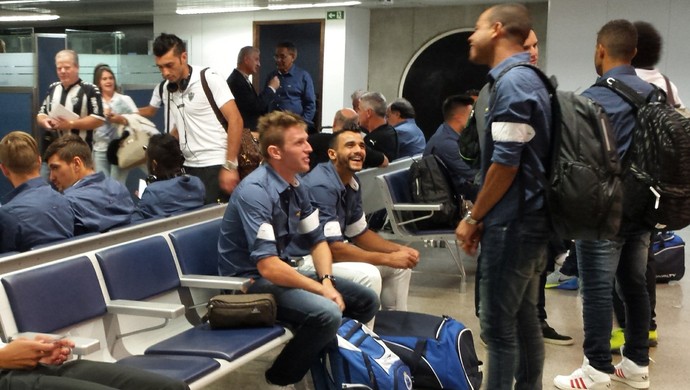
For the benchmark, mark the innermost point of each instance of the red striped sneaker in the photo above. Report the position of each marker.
(631, 374)
(585, 377)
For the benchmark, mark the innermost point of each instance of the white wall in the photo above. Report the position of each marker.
(215, 40)
(573, 24)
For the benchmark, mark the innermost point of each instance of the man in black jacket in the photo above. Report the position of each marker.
(250, 104)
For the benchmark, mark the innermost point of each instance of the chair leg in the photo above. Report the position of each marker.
(458, 261)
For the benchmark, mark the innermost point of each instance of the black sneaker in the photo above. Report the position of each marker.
(552, 337)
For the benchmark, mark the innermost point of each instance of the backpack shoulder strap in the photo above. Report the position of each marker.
(669, 92)
(211, 100)
(628, 94)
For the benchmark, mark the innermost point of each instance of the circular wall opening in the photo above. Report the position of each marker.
(439, 69)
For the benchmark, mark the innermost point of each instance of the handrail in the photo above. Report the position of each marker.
(124, 234)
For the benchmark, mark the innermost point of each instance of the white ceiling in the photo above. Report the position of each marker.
(123, 12)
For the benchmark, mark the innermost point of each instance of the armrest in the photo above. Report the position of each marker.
(215, 282)
(82, 345)
(146, 309)
(416, 207)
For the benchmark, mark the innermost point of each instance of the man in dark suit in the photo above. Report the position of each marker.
(250, 104)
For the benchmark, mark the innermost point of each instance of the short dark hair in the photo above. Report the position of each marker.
(333, 143)
(272, 127)
(649, 43)
(452, 103)
(515, 19)
(619, 37)
(165, 150)
(403, 107)
(68, 147)
(165, 42)
(288, 45)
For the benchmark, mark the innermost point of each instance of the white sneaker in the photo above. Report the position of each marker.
(631, 374)
(276, 387)
(585, 377)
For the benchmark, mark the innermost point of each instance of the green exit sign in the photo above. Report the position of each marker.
(335, 15)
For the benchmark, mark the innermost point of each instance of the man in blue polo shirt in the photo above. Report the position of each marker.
(334, 190)
(625, 256)
(400, 114)
(33, 213)
(99, 203)
(268, 210)
(444, 144)
(296, 91)
(510, 204)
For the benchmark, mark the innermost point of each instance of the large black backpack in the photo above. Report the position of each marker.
(583, 184)
(657, 165)
(430, 183)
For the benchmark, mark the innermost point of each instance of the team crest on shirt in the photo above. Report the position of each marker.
(74, 100)
(191, 96)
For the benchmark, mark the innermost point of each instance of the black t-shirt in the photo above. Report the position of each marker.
(383, 140)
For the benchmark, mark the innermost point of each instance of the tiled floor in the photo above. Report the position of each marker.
(435, 290)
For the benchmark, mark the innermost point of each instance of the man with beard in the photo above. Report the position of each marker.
(334, 190)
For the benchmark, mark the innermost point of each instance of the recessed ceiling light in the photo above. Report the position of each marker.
(28, 18)
(217, 10)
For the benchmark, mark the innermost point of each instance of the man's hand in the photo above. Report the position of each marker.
(403, 259)
(274, 83)
(48, 123)
(468, 236)
(63, 124)
(228, 179)
(331, 293)
(62, 351)
(24, 354)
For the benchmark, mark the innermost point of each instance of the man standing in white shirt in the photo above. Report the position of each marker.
(210, 150)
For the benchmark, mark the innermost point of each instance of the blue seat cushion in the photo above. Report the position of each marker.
(197, 248)
(55, 296)
(227, 344)
(184, 368)
(138, 270)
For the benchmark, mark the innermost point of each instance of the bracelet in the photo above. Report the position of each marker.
(329, 277)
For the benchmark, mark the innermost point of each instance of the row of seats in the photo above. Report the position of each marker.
(138, 303)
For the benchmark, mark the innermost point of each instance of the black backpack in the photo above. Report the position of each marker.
(583, 184)
(431, 183)
(657, 174)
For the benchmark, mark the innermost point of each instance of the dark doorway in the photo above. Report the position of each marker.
(307, 35)
(442, 69)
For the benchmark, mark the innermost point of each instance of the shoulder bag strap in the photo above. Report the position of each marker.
(211, 101)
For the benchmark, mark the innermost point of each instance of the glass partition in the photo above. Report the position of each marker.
(16, 57)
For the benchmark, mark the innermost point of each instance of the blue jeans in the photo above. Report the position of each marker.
(513, 256)
(314, 320)
(624, 257)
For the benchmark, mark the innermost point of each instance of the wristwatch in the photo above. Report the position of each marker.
(331, 277)
(468, 218)
(230, 165)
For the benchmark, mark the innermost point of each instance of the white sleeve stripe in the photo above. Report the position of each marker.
(356, 228)
(265, 232)
(512, 132)
(332, 229)
(310, 223)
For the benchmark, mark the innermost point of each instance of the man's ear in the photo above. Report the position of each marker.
(4, 170)
(496, 29)
(274, 152)
(331, 154)
(77, 164)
